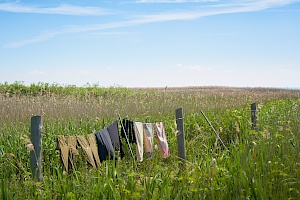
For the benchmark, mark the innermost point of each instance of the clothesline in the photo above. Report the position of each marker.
(104, 144)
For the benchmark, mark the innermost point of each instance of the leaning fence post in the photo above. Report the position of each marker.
(180, 135)
(253, 115)
(36, 154)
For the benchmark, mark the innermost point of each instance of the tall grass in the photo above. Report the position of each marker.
(257, 164)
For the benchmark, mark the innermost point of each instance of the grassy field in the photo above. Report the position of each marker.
(256, 164)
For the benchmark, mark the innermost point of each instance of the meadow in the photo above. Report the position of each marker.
(256, 164)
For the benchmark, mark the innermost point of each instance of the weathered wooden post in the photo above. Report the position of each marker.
(180, 135)
(253, 116)
(36, 154)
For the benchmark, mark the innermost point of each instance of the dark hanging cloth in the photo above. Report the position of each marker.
(128, 127)
(124, 127)
(132, 135)
(115, 138)
(105, 147)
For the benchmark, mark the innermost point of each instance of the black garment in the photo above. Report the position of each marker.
(105, 147)
(124, 125)
(115, 138)
(129, 130)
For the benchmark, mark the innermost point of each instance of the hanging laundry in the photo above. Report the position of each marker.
(72, 143)
(148, 139)
(68, 151)
(124, 127)
(64, 149)
(129, 130)
(113, 131)
(87, 149)
(162, 139)
(105, 147)
(93, 145)
(138, 130)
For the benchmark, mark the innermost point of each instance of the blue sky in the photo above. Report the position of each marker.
(149, 43)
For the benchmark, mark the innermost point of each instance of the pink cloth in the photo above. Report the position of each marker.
(162, 140)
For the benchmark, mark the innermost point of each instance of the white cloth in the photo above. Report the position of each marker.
(139, 136)
(162, 140)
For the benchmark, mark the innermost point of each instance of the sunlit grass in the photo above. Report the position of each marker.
(257, 164)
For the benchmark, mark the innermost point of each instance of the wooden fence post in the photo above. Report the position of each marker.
(36, 154)
(180, 135)
(253, 116)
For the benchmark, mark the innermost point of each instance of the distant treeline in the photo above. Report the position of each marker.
(18, 88)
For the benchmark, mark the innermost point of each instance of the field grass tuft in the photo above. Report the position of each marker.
(256, 164)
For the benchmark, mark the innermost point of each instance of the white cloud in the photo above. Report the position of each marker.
(71, 30)
(195, 68)
(37, 73)
(85, 73)
(174, 1)
(285, 71)
(203, 11)
(62, 9)
(36, 39)
(110, 33)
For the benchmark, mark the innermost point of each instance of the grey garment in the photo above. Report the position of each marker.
(115, 138)
(114, 135)
(105, 147)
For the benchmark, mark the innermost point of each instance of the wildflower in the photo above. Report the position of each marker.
(25, 139)
(237, 127)
(213, 162)
(266, 134)
(30, 147)
(10, 155)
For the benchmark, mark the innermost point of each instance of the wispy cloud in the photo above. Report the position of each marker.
(110, 33)
(73, 30)
(174, 1)
(36, 39)
(238, 6)
(62, 9)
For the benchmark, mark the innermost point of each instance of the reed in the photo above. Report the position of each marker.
(256, 164)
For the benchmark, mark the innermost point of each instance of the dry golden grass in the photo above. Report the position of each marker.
(239, 172)
(139, 103)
